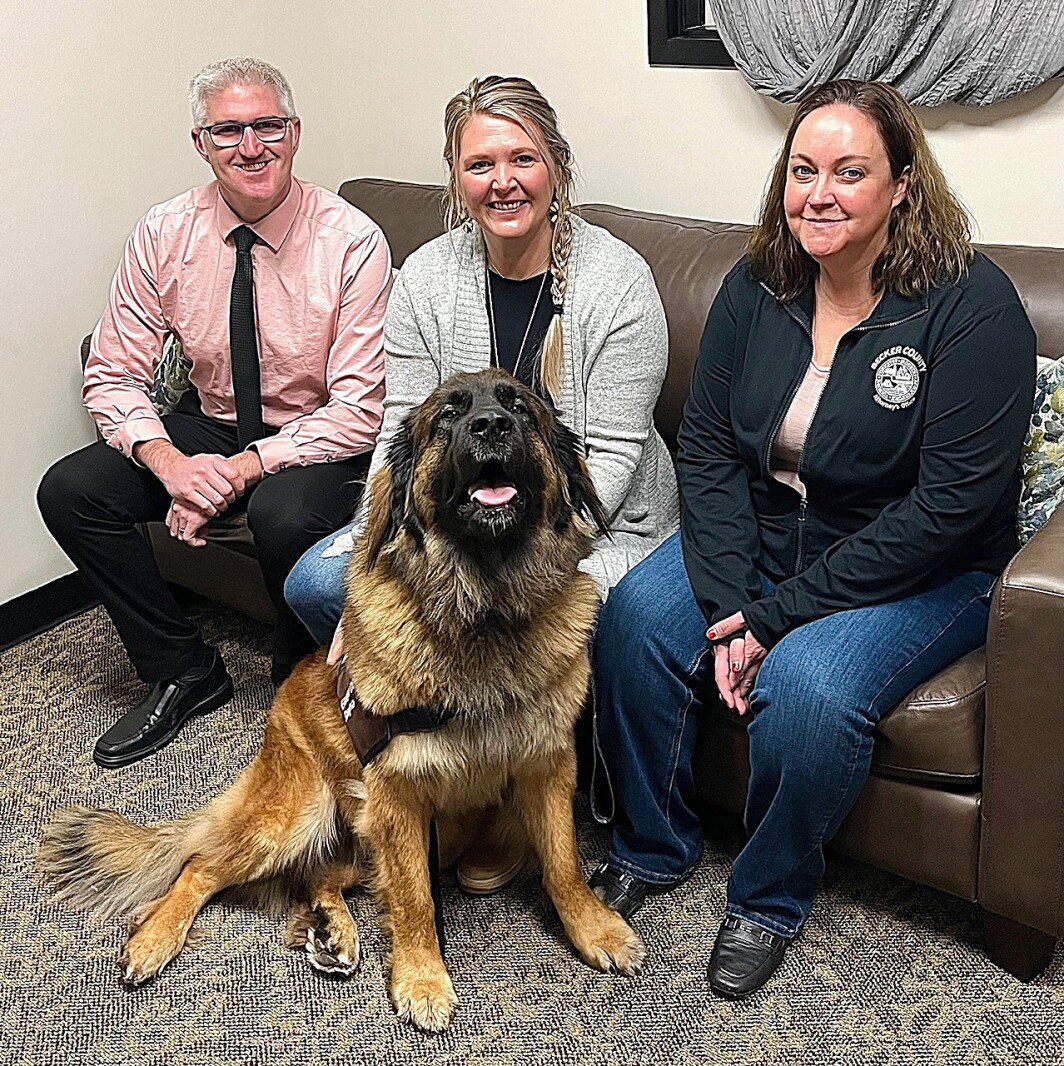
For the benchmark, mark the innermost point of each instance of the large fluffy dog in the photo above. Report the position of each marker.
(463, 596)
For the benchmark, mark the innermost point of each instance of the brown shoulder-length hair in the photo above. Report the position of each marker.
(929, 235)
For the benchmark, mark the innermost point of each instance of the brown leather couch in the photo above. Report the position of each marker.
(967, 785)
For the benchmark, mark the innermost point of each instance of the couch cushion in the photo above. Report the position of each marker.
(409, 214)
(935, 735)
(230, 529)
(689, 259)
(1036, 273)
(225, 569)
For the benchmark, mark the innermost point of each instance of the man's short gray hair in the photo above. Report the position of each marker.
(239, 70)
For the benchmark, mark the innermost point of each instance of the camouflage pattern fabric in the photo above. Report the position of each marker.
(171, 377)
(1043, 453)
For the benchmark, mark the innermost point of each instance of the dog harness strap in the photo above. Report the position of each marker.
(372, 733)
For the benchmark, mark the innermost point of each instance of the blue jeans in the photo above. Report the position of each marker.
(814, 708)
(314, 588)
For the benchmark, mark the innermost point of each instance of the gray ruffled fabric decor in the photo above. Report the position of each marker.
(971, 52)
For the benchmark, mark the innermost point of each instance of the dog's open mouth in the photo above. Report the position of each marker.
(492, 490)
(493, 495)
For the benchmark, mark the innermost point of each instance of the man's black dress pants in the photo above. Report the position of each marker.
(92, 501)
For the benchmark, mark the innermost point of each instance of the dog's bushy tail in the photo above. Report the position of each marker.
(98, 862)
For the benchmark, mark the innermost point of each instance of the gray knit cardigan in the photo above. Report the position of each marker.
(616, 352)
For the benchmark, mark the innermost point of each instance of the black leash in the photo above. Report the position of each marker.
(434, 885)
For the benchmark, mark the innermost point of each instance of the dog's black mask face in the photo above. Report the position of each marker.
(492, 462)
(490, 477)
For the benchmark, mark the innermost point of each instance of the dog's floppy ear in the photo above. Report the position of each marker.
(388, 516)
(580, 494)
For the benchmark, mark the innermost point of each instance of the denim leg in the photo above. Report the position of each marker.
(649, 646)
(315, 587)
(816, 702)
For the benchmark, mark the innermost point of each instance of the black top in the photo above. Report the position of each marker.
(513, 305)
(910, 462)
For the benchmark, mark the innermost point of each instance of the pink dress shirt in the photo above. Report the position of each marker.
(322, 275)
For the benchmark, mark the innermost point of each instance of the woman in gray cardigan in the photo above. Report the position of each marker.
(601, 304)
(519, 281)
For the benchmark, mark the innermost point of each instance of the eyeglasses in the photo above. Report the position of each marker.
(229, 134)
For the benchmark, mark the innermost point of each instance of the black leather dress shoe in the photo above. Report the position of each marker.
(621, 892)
(744, 957)
(156, 720)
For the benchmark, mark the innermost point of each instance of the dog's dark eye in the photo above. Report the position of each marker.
(452, 406)
(523, 411)
(510, 398)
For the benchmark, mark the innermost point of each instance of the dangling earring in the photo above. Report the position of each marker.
(554, 210)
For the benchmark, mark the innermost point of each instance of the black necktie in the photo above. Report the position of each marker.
(243, 344)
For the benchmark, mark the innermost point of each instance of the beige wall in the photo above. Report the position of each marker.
(96, 130)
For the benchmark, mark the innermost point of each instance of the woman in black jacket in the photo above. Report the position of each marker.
(848, 477)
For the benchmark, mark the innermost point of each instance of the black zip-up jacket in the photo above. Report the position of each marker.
(910, 463)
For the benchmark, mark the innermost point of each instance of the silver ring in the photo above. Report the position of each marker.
(181, 529)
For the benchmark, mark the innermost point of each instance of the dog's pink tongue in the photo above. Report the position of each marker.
(488, 496)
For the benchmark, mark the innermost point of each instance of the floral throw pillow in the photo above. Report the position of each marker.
(171, 377)
(1042, 464)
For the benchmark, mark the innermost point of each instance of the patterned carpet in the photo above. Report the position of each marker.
(885, 972)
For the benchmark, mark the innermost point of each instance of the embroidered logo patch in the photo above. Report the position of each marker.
(898, 373)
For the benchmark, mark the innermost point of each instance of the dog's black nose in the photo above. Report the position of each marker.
(492, 425)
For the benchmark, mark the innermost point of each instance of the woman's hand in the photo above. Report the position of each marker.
(336, 648)
(736, 661)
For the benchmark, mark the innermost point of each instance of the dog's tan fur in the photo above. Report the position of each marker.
(427, 626)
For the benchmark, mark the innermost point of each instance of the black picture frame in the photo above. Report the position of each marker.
(677, 36)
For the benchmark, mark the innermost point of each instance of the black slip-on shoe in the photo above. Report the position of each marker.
(156, 720)
(744, 957)
(620, 892)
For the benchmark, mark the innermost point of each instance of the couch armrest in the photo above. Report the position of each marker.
(1021, 863)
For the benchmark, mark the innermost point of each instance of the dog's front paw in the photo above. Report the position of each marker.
(424, 996)
(331, 944)
(607, 942)
(145, 956)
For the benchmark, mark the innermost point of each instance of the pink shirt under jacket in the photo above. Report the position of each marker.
(322, 276)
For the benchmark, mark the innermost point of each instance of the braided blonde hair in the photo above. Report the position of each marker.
(518, 100)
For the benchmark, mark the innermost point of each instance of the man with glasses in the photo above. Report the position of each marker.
(276, 291)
